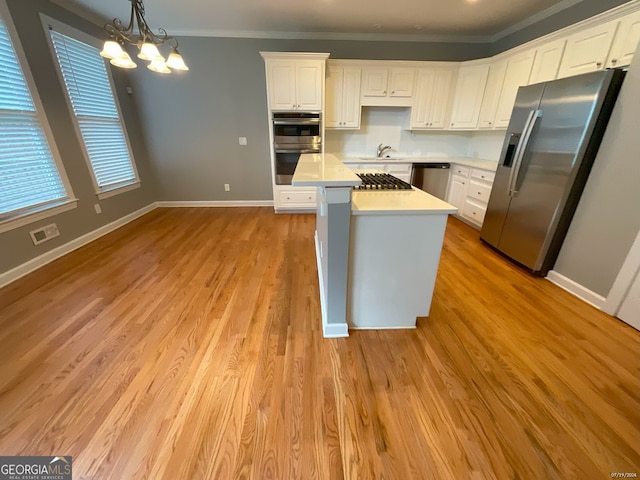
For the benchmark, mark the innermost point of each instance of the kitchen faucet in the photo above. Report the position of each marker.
(381, 150)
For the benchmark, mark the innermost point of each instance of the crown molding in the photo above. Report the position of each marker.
(362, 37)
(546, 13)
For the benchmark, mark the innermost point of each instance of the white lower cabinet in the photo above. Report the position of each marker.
(288, 198)
(469, 191)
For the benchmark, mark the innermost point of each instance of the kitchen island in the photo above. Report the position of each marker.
(377, 251)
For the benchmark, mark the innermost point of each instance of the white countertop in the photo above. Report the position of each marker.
(466, 161)
(398, 202)
(323, 170)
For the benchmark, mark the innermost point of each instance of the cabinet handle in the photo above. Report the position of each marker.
(614, 61)
(481, 176)
(393, 92)
(288, 198)
(489, 123)
(473, 213)
(479, 193)
(598, 64)
(385, 92)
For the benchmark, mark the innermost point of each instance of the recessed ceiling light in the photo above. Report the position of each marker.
(377, 25)
(418, 27)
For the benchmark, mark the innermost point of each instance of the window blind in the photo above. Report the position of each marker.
(92, 99)
(29, 177)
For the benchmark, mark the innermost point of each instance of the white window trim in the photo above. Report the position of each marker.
(65, 29)
(26, 218)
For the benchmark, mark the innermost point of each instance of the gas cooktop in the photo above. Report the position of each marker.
(381, 181)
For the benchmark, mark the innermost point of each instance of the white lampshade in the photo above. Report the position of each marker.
(111, 49)
(123, 61)
(158, 66)
(175, 61)
(148, 51)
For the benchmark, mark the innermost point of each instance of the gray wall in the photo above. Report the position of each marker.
(607, 219)
(193, 120)
(574, 14)
(16, 246)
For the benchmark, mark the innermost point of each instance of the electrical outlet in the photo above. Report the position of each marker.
(98, 208)
(242, 140)
(130, 90)
(227, 188)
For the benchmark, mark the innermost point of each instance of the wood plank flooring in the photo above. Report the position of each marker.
(188, 345)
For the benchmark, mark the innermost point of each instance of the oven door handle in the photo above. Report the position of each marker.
(297, 150)
(297, 121)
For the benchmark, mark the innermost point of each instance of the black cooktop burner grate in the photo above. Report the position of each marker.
(381, 181)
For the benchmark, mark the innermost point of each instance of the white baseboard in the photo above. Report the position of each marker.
(576, 289)
(217, 203)
(406, 327)
(335, 330)
(35, 263)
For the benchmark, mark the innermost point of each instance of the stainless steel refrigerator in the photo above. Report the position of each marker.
(552, 140)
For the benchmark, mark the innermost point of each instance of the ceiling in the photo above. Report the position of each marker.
(461, 20)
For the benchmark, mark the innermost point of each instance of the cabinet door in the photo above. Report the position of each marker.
(402, 80)
(625, 41)
(516, 75)
(468, 97)
(440, 98)
(334, 96)
(457, 192)
(422, 100)
(492, 94)
(547, 62)
(281, 82)
(374, 82)
(309, 74)
(351, 98)
(587, 51)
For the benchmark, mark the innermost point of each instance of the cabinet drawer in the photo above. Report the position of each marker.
(473, 211)
(460, 171)
(398, 168)
(298, 197)
(479, 191)
(483, 175)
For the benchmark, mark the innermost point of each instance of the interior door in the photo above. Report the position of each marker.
(549, 167)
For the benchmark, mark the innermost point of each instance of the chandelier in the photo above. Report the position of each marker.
(146, 41)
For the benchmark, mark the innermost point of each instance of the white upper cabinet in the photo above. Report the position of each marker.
(469, 92)
(516, 75)
(547, 62)
(295, 81)
(387, 86)
(625, 41)
(587, 51)
(492, 94)
(431, 102)
(342, 97)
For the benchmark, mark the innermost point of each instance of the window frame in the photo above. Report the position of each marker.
(60, 27)
(70, 202)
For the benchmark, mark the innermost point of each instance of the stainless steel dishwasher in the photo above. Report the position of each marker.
(432, 178)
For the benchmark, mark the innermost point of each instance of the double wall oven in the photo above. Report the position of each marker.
(294, 133)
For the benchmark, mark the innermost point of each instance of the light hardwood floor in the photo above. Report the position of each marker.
(187, 345)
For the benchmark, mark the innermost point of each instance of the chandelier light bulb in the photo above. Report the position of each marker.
(175, 61)
(158, 66)
(123, 61)
(149, 52)
(111, 49)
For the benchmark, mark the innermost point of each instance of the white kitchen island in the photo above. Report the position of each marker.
(378, 251)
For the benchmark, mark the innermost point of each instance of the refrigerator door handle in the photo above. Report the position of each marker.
(522, 148)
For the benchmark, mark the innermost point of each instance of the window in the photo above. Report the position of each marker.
(32, 181)
(96, 112)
